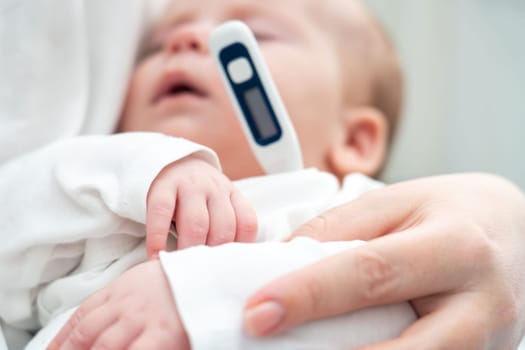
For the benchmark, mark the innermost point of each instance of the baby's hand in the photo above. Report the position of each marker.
(203, 202)
(128, 314)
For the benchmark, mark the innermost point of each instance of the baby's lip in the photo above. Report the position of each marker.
(178, 83)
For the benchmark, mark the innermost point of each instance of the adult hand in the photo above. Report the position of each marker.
(452, 245)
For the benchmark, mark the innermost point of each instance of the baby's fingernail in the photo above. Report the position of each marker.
(263, 318)
(153, 255)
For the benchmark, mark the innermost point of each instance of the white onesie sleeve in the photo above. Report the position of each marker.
(73, 190)
(211, 286)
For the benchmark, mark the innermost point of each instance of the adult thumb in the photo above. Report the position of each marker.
(374, 214)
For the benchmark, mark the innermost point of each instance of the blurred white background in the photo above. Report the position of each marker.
(464, 64)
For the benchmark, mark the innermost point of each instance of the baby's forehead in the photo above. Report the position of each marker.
(188, 10)
(178, 13)
(327, 15)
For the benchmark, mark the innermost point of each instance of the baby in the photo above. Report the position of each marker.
(343, 94)
(341, 83)
(335, 69)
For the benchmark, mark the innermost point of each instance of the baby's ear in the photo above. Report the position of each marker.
(362, 145)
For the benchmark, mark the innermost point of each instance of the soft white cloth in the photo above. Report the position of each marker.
(64, 67)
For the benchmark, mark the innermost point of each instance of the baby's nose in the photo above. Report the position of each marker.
(191, 38)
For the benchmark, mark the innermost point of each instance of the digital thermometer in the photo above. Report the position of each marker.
(257, 103)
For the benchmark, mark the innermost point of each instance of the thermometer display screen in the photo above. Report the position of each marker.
(250, 95)
(260, 114)
(260, 111)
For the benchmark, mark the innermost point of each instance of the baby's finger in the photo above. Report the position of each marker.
(245, 216)
(192, 218)
(91, 304)
(222, 220)
(158, 340)
(82, 330)
(120, 334)
(159, 214)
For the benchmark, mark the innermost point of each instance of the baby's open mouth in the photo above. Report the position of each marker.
(178, 85)
(182, 89)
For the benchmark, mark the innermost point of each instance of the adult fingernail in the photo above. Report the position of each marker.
(263, 318)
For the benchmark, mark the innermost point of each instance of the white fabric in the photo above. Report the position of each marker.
(64, 66)
(3, 344)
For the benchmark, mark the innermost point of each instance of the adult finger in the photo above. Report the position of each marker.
(222, 219)
(392, 269)
(159, 214)
(374, 214)
(245, 216)
(191, 218)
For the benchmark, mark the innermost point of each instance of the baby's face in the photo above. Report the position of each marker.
(176, 89)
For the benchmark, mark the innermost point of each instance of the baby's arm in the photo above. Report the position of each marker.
(205, 205)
